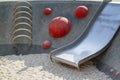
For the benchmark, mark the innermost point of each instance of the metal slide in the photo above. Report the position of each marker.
(94, 40)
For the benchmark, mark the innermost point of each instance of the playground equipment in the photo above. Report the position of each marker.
(57, 27)
(93, 41)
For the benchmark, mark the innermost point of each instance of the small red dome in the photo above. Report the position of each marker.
(47, 11)
(81, 12)
(46, 44)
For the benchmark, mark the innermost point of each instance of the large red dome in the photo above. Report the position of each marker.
(59, 27)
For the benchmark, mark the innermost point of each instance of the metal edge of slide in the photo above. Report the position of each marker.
(107, 45)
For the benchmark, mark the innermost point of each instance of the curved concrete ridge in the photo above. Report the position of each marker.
(94, 41)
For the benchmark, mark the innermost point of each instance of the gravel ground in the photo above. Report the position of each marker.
(39, 67)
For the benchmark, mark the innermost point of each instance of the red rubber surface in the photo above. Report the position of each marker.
(47, 11)
(46, 44)
(59, 27)
(81, 12)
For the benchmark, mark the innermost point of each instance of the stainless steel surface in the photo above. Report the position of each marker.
(94, 40)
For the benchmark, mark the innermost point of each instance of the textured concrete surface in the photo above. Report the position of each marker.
(54, 0)
(110, 59)
(40, 24)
